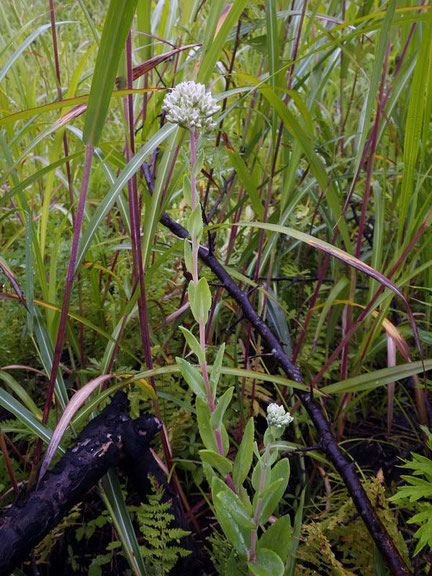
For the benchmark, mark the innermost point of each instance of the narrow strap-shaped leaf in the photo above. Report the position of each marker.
(73, 406)
(115, 31)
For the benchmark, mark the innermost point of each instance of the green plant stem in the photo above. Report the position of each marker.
(328, 443)
(194, 138)
(254, 535)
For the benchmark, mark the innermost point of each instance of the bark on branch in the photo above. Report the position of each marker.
(328, 443)
(109, 440)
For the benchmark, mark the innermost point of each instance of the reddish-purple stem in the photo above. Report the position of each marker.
(7, 461)
(369, 307)
(369, 170)
(69, 281)
(134, 209)
(370, 165)
(323, 271)
(60, 97)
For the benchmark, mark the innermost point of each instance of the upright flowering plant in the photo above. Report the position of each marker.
(240, 516)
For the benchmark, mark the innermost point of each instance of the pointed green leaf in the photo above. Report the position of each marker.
(243, 459)
(274, 492)
(277, 537)
(193, 343)
(195, 223)
(235, 507)
(238, 535)
(225, 439)
(216, 370)
(188, 255)
(187, 190)
(220, 463)
(221, 407)
(192, 377)
(205, 430)
(202, 300)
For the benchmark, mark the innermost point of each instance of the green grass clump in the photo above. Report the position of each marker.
(315, 187)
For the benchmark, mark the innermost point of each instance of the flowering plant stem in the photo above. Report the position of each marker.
(328, 442)
(194, 139)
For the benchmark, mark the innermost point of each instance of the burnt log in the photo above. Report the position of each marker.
(109, 440)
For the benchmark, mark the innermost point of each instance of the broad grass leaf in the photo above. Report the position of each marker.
(116, 28)
(378, 378)
(72, 407)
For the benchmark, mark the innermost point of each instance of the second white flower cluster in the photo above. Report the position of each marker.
(276, 416)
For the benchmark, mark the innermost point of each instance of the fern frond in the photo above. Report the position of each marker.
(162, 546)
(339, 544)
(418, 490)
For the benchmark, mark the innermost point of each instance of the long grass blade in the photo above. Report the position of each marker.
(75, 403)
(125, 175)
(116, 28)
(30, 421)
(377, 378)
(113, 498)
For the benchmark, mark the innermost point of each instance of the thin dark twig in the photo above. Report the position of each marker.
(327, 442)
(227, 182)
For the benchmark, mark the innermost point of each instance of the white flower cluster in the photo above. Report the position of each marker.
(191, 105)
(276, 416)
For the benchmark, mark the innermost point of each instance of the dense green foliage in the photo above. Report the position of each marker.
(313, 191)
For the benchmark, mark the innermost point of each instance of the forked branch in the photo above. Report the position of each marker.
(328, 443)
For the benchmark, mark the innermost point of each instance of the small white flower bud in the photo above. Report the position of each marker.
(276, 416)
(191, 105)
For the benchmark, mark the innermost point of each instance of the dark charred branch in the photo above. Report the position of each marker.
(327, 441)
(111, 439)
